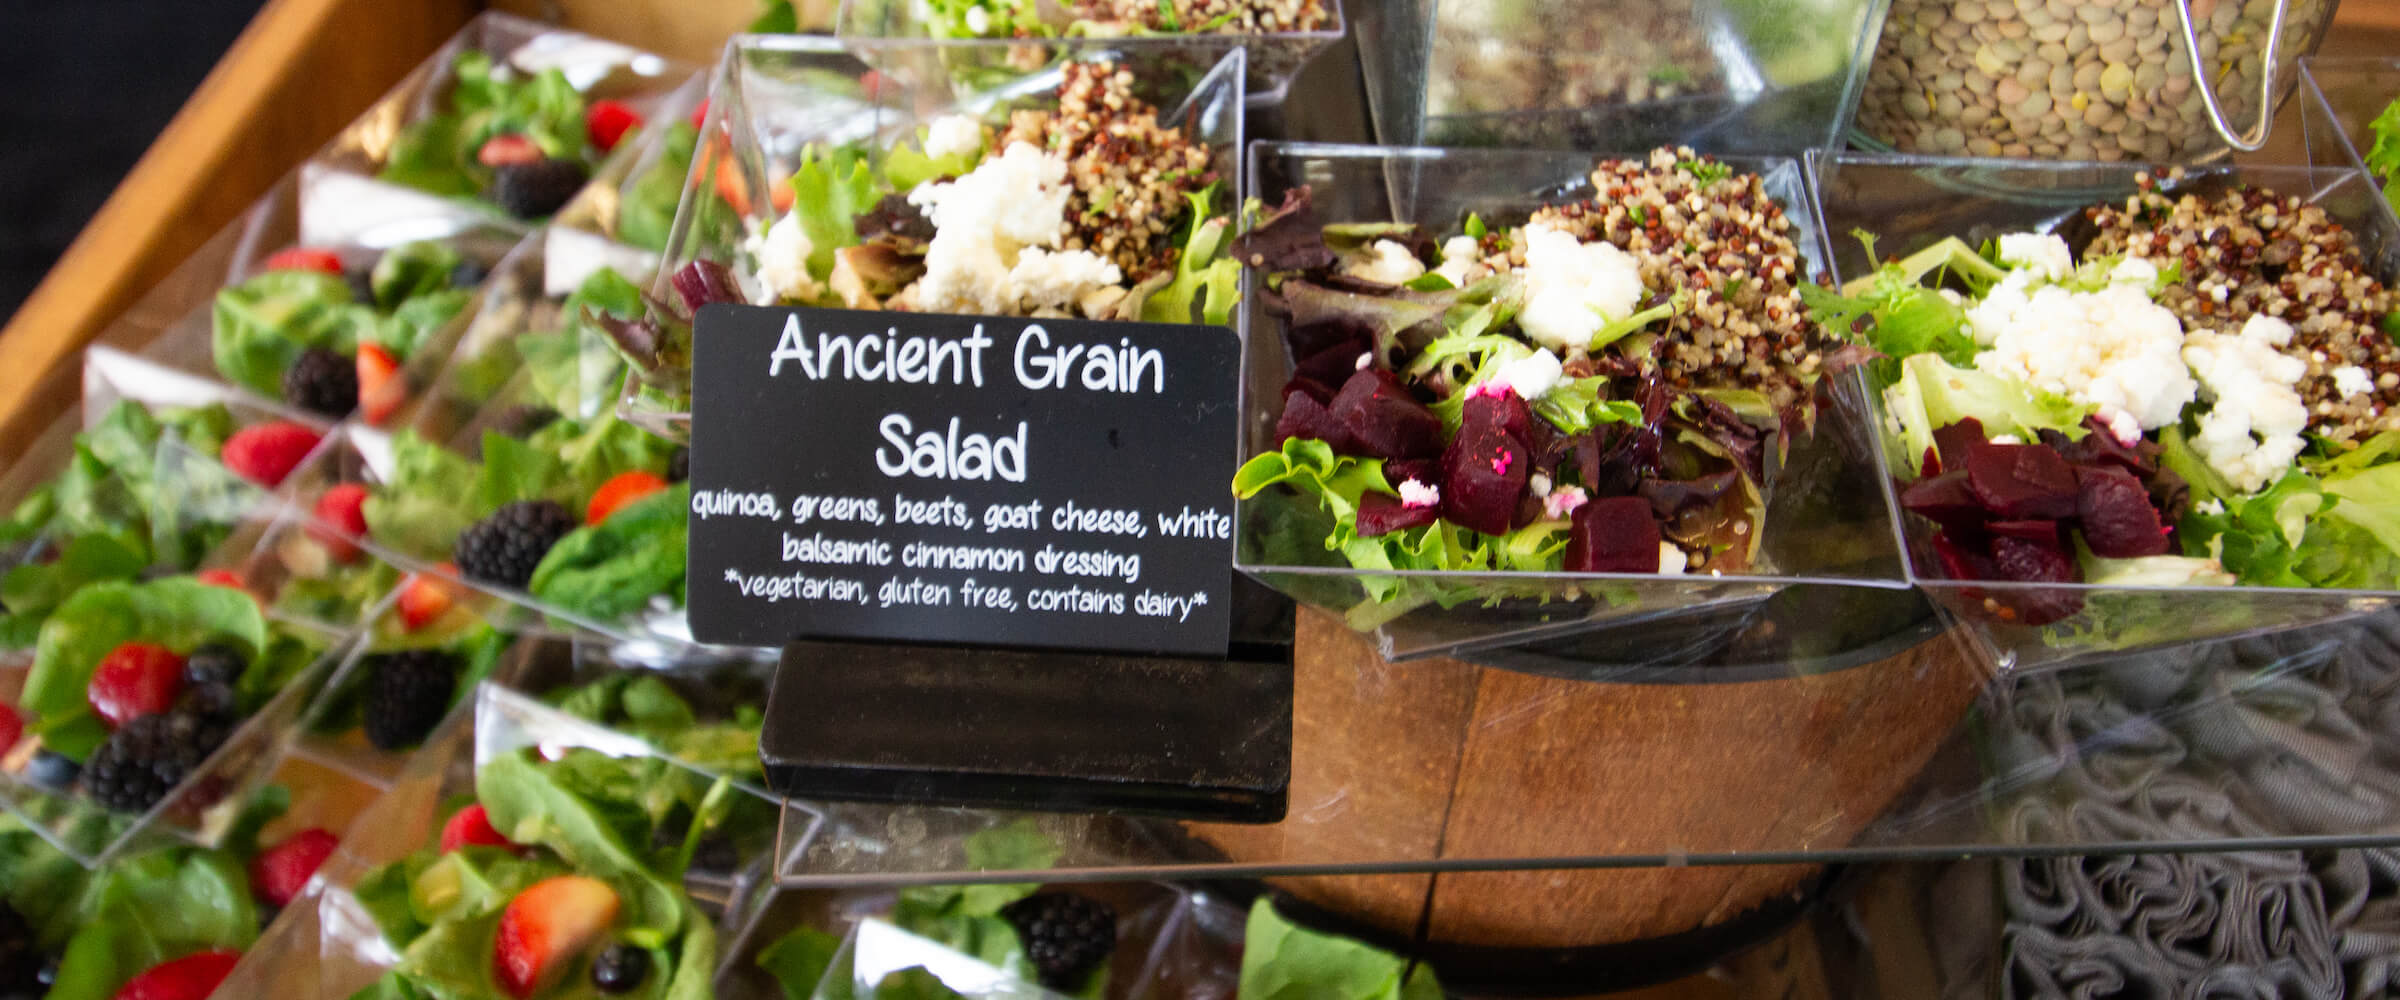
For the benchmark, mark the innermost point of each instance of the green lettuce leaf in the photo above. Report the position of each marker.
(257, 328)
(1931, 393)
(410, 270)
(829, 192)
(180, 613)
(1284, 961)
(1207, 282)
(608, 570)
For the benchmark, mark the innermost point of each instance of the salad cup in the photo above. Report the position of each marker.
(353, 952)
(779, 100)
(202, 807)
(1273, 58)
(1728, 76)
(1909, 203)
(2340, 102)
(1824, 526)
(407, 156)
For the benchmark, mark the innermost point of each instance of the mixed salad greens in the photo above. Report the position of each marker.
(313, 332)
(524, 142)
(1607, 386)
(1093, 18)
(135, 684)
(165, 922)
(1066, 939)
(2200, 394)
(563, 877)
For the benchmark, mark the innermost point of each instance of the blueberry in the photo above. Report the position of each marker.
(214, 663)
(53, 770)
(620, 968)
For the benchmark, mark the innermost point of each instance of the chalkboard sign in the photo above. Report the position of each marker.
(1038, 483)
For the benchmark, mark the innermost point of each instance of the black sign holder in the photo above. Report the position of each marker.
(1129, 671)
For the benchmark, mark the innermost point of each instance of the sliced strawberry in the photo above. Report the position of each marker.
(606, 123)
(513, 147)
(622, 489)
(12, 728)
(222, 578)
(381, 390)
(305, 259)
(134, 680)
(265, 453)
(192, 977)
(731, 186)
(700, 114)
(546, 928)
(425, 598)
(341, 519)
(471, 826)
(278, 873)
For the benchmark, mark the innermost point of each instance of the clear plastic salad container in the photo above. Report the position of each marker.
(353, 949)
(200, 807)
(1726, 76)
(417, 496)
(618, 224)
(2344, 98)
(1910, 203)
(1824, 528)
(781, 101)
(1274, 58)
(421, 150)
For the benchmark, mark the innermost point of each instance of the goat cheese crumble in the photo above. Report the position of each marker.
(983, 222)
(2251, 433)
(1462, 261)
(782, 252)
(1530, 377)
(953, 134)
(2041, 253)
(1560, 503)
(1414, 493)
(1387, 262)
(1573, 288)
(2113, 348)
(2352, 380)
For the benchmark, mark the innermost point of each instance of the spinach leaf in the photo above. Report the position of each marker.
(612, 569)
(259, 327)
(178, 612)
(1283, 961)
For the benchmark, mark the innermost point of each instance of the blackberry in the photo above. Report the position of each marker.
(147, 757)
(321, 381)
(533, 190)
(211, 701)
(620, 968)
(679, 464)
(408, 692)
(506, 547)
(21, 957)
(1066, 936)
(214, 663)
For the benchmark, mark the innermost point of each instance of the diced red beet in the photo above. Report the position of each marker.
(1613, 535)
(2017, 481)
(1329, 351)
(2099, 446)
(1952, 442)
(1483, 475)
(1383, 420)
(1962, 562)
(1304, 417)
(2043, 532)
(1506, 411)
(2118, 520)
(1945, 499)
(2037, 562)
(1382, 514)
(703, 282)
(1319, 391)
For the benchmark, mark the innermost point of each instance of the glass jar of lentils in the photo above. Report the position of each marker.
(2075, 79)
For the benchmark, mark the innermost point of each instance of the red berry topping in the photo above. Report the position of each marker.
(134, 680)
(265, 453)
(192, 977)
(502, 150)
(607, 122)
(381, 390)
(471, 827)
(624, 488)
(278, 873)
(424, 598)
(12, 728)
(341, 519)
(305, 259)
(222, 578)
(547, 928)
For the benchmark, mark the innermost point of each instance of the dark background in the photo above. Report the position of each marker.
(87, 85)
